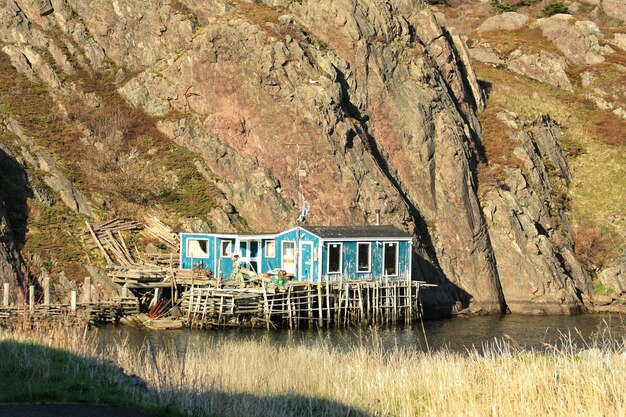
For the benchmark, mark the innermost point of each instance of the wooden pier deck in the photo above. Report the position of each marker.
(322, 304)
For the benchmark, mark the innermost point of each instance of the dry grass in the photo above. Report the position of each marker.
(610, 129)
(257, 378)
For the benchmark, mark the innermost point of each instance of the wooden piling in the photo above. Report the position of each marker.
(320, 321)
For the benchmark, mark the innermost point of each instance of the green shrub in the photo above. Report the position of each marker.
(555, 7)
(500, 6)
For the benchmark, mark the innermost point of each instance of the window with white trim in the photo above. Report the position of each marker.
(197, 248)
(390, 258)
(334, 258)
(226, 248)
(270, 249)
(363, 256)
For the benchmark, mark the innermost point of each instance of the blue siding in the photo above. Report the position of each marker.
(224, 264)
(304, 265)
(292, 236)
(187, 262)
(349, 260)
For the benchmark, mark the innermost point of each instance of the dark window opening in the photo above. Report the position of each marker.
(363, 257)
(391, 259)
(334, 258)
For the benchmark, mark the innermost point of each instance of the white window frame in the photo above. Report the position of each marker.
(282, 249)
(369, 257)
(397, 259)
(340, 258)
(282, 254)
(229, 251)
(273, 242)
(207, 248)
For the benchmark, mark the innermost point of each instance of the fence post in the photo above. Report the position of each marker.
(46, 290)
(5, 295)
(73, 300)
(87, 294)
(31, 298)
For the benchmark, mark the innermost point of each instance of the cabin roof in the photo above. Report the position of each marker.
(348, 232)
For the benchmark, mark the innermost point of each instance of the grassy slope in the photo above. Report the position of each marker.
(597, 155)
(34, 370)
(128, 166)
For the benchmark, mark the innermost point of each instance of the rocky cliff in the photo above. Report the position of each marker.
(201, 111)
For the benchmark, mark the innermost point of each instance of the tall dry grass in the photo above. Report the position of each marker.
(257, 378)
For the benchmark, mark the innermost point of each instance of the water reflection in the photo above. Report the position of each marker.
(454, 334)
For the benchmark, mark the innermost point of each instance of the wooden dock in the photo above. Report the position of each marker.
(323, 304)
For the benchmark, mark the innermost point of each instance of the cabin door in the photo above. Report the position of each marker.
(305, 266)
(255, 255)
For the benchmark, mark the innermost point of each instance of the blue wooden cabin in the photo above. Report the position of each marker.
(308, 253)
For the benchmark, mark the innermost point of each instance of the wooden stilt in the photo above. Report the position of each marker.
(320, 321)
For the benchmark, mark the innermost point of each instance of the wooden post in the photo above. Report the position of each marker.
(31, 299)
(73, 301)
(328, 309)
(319, 305)
(46, 290)
(87, 290)
(5, 295)
(124, 291)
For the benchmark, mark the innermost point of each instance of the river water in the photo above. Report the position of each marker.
(455, 334)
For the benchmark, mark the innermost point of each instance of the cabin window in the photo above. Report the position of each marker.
(390, 259)
(270, 249)
(334, 258)
(198, 248)
(289, 257)
(363, 257)
(226, 248)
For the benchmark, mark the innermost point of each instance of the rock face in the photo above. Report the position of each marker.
(364, 150)
(11, 265)
(504, 21)
(529, 235)
(374, 100)
(577, 40)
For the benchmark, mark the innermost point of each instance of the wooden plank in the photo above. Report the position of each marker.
(93, 234)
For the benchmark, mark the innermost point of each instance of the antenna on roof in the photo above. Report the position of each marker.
(302, 203)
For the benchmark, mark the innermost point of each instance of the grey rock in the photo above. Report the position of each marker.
(486, 55)
(542, 66)
(577, 40)
(619, 40)
(614, 277)
(504, 21)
